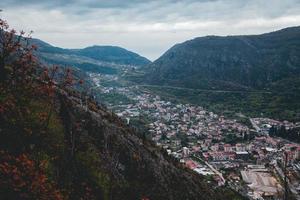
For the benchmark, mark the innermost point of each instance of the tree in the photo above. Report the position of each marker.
(23, 178)
(26, 97)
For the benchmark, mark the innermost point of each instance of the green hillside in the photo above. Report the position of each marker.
(56, 143)
(256, 74)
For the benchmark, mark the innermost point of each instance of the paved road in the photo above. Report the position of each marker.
(216, 172)
(254, 125)
(222, 91)
(202, 90)
(213, 169)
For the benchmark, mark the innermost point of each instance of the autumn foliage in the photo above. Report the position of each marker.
(23, 178)
(26, 110)
(35, 145)
(55, 144)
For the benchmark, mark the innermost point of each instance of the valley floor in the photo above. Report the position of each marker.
(221, 148)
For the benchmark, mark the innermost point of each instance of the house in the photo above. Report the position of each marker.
(243, 155)
(215, 147)
(185, 152)
(227, 148)
(222, 155)
(240, 147)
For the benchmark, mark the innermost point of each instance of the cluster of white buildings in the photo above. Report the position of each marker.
(262, 125)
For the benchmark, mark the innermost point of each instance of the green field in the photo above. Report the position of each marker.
(282, 106)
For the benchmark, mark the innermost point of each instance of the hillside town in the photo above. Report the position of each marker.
(242, 157)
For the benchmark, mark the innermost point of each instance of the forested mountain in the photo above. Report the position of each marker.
(57, 143)
(231, 63)
(113, 54)
(99, 59)
(257, 75)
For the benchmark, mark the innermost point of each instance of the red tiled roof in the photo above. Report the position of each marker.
(190, 164)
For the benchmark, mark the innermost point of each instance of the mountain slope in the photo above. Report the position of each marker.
(56, 143)
(232, 62)
(113, 54)
(138, 168)
(91, 154)
(257, 75)
(99, 59)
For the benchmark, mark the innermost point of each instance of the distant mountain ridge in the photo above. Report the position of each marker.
(58, 143)
(231, 62)
(99, 59)
(114, 54)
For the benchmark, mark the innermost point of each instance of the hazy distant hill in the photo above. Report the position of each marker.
(233, 62)
(113, 54)
(101, 59)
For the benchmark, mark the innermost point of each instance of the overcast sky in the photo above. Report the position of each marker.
(148, 27)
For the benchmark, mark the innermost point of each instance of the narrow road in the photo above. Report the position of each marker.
(203, 90)
(213, 169)
(216, 172)
(254, 125)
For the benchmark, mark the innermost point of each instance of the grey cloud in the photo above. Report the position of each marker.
(146, 26)
(159, 10)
